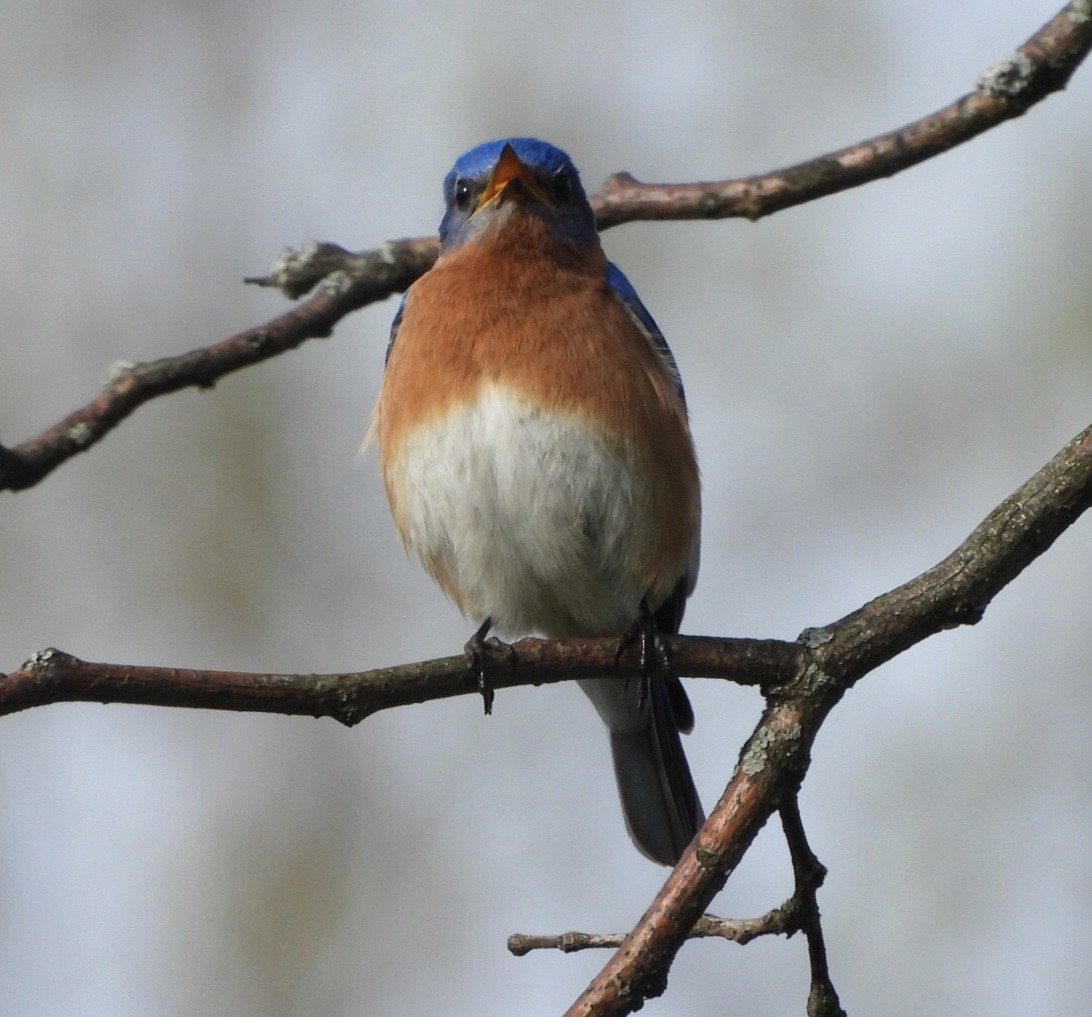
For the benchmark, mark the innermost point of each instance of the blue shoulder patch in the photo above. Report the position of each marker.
(623, 289)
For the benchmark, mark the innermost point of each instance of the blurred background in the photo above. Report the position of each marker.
(868, 376)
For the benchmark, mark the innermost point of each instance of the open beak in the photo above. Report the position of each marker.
(509, 171)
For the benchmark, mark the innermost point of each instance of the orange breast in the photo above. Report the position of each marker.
(550, 331)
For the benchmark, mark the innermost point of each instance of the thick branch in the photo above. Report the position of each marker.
(799, 913)
(1042, 65)
(777, 754)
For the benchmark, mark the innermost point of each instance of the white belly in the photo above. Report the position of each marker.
(526, 518)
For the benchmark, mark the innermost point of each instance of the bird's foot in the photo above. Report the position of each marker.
(655, 654)
(480, 648)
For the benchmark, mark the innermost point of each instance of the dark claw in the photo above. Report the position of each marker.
(645, 630)
(479, 649)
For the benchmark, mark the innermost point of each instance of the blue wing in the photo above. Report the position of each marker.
(394, 327)
(669, 614)
(624, 291)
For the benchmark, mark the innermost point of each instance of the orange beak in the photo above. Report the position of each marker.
(510, 168)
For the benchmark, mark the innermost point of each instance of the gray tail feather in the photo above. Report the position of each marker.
(659, 800)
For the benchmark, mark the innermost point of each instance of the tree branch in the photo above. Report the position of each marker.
(776, 756)
(954, 592)
(809, 874)
(52, 676)
(799, 912)
(128, 386)
(802, 682)
(782, 921)
(1040, 66)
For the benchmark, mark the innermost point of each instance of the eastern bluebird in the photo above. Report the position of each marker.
(535, 450)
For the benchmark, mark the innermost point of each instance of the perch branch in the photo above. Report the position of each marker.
(52, 676)
(953, 592)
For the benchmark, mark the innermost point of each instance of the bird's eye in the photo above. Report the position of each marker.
(563, 185)
(463, 194)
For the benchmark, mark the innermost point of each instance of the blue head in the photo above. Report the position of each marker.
(488, 180)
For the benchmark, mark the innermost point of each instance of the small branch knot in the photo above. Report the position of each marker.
(1008, 78)
(45, 660)
(117, 372)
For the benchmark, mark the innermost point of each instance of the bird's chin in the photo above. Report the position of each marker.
(516, 192)
(508, 208)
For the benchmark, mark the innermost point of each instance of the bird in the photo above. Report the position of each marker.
(536, 453)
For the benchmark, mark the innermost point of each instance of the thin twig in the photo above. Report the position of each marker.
(782, 921)
(809, 873)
